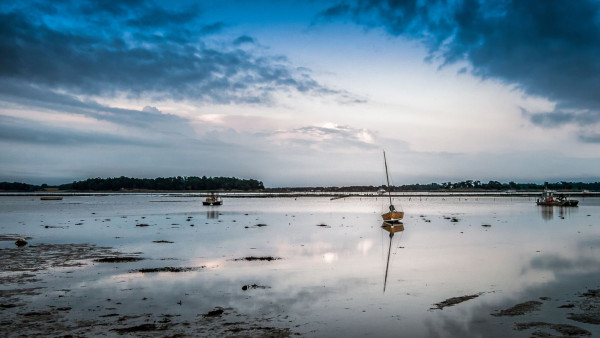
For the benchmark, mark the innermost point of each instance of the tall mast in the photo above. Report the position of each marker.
(387, 177)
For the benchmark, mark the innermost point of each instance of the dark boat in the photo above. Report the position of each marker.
(549, 199)
(212, 199)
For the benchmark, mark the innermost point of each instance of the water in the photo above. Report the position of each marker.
(329, 279)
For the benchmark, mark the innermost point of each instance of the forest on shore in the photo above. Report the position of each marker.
(179, 183)
(194, 183)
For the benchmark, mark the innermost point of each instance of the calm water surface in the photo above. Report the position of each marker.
(329, 280)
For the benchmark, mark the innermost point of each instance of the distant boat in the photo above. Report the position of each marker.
(381, 192)
(212, 199)
(393, 215)
(549, 199)
(51, 198)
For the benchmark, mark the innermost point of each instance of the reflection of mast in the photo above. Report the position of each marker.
(392, 228)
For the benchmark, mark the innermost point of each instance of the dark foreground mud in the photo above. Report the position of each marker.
(589, 308)
(254, 258)
(586, 310)
(519, 309)
(541, 329)
(44, 272)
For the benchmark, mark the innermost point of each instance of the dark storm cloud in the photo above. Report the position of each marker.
(243, 39)
(546, 48)
(45, 99)
(16, 130)
(137, 48)
(590, 138)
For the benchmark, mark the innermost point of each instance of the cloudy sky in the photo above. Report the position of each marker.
(300, 93)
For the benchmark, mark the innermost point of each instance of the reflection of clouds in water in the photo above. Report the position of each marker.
(330, 257)
(200, 292)
(476, 322)
(365, 246)
(475, 319)
(559, 264)
(590, 243)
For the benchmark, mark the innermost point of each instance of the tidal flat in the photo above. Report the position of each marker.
(165, 265)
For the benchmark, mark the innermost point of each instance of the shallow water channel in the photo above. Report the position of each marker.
(326, 275)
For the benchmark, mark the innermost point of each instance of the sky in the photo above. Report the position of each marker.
(300, 93)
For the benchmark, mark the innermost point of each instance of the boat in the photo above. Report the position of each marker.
(212, 199)
(392, 228)
(51, 198)
(393, 215)
(549, 199)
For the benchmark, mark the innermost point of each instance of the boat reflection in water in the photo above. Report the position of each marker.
(547, 212)
(212, 213)
(391, 228)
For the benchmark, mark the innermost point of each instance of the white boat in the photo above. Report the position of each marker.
(549, 199)
(212, 199)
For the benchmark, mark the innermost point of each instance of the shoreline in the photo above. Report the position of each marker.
(333, 195)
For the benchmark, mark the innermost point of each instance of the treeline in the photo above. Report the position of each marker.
(180, 183)
(468, 185)
(21, 187)
(162, 183)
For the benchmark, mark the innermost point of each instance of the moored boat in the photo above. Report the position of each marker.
(51, 198)
(549, 199)
(212, 199)
(393, 215)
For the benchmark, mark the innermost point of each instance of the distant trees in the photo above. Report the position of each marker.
(16, 186)
(164, 183)
(468, 185)
(182, 183)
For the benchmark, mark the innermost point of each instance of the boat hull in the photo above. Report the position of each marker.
(212, 203)
(392, 216)
(392, 227)
(569, 203)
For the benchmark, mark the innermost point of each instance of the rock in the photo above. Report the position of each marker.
(519, 309)
(118, 259)
(214, 313)
(21, 242)
(169, 269)
(253, 286)
(253, 258)
(453, 301)
(138, 328)
(564, 329)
